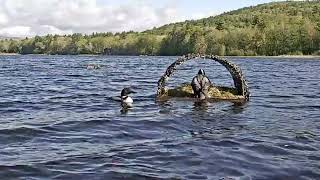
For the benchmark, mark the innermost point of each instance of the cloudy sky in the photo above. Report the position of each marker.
(20, 18)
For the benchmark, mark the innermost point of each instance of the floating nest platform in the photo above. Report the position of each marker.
(239, 92)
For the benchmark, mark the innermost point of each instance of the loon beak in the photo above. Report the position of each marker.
(131, 91)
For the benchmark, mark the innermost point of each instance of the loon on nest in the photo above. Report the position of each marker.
(126, 101)
(200, 85)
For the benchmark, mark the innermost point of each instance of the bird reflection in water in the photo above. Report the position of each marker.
(124, 110)
(201, 105)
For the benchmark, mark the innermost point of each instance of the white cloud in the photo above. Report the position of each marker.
(40, 17)
(23, 31)
(15, 31)
(3, 19)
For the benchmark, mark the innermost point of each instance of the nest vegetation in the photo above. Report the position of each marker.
(215, 92)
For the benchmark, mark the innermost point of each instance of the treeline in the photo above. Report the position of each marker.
(285, 28)
(98, 43)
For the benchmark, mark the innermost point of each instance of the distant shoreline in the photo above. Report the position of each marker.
(8, 54)
(280, 56)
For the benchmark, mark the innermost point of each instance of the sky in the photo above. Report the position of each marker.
(21, 18)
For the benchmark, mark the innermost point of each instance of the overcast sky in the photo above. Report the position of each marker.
(20, 18)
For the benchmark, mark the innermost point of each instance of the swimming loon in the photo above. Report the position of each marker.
(200, 85)
(93, 66)
(126, 101)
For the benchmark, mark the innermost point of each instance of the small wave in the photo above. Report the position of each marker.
(25, 171)
(300, 147)
(280, 96)
(11, 103)
(22, 131)
(76, 75)
(311, 96)
(12, 110)
(268, 149)
(20, 134)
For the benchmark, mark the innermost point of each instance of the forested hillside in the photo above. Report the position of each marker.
(278, 28)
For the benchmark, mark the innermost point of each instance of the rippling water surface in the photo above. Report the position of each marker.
(59, 120)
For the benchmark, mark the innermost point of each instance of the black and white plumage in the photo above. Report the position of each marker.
(200, 85)
(126, 100)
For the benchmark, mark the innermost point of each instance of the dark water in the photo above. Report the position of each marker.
(59, 121)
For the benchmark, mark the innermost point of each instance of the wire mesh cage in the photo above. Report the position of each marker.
(240, 89)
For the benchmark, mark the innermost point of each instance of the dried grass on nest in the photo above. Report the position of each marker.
(185, 90)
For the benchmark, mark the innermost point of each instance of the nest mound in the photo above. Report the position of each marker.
(215, 92)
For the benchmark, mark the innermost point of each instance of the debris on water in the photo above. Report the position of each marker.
(235, 178)
(194, 133)
(309, 133)
(306, 135)
(93, 66)
(280, 158)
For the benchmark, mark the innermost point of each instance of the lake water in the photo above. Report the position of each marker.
(59, 120)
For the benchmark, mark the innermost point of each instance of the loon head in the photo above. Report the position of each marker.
(201, 71)
(126, 91)
(126, 101)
